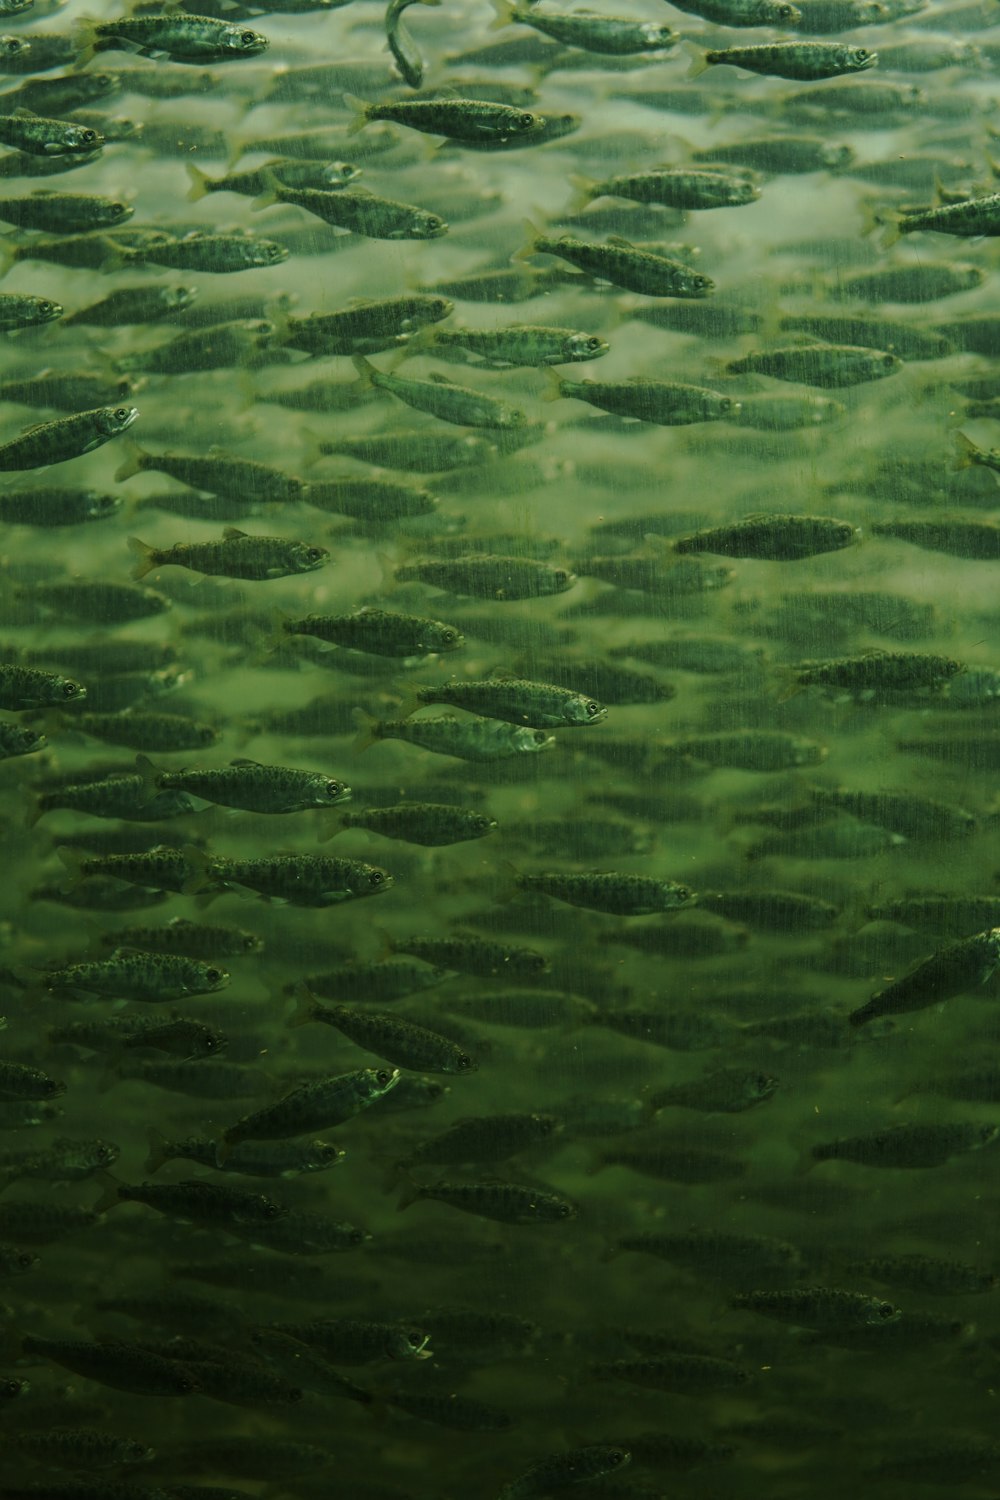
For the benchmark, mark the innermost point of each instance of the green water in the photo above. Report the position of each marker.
(690, 1063)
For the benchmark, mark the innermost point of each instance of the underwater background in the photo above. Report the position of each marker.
(639, 1139)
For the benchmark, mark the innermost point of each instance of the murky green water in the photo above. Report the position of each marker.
(679, 1219)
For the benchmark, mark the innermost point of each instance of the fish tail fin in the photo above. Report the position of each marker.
(201, 183)
(305, 1006)
(159, 1150)
(150, 776)
(226, 1146)
(367, 730)
(699, 58)
(966, 452)
(361, 113)
(892, 231)
(109, 1193)
(147, 556)
(271, 193)
(585, 189)
(332, 824)
(527, 250)
(554, 386)
(73, 860)
(410, 1193)
(505, 14)
(134, 456)
(200, 880)
(365, 370)
(84, 40)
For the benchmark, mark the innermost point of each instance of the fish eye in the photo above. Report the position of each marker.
(784, 12)
(538, 737)
(383, 1077)
(247, 38)
(592, 710)
(886, 1310)
(213, 975)
(121, 413)
(334, 788)
(593, 342)
(87, 137)
(70, 689)
(889, 361)
(315, 554)
(525, 121)
(376, 878)
(465, 1063)
(618, 1456)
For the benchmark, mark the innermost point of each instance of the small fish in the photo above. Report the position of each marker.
(380, 632)
(186, 38)
(803, 61)
(613, 36)
(622, 264)
(489, 576)
(879, 676)
(559, 1471)
(249, 786)
(819, 1307)
(401, 44)
(312, 880)
(953, 970)
(115, 1363)
(19, 1081)
(665, 402)
(624, 895)
(360, 211)
(744, 12)
(389, 1036)
(134, 975)
(134, 304)
(38, 136)
(441, 398)
(367, 326)
(673, 187)
(776, 538)
(470, 738)
(466, 120)
(515, 346)
(727, 1091)
(66, 438)
(927, 1274)
(115, 796)
(217, 254)
(485, 1138)
(319, 1105)
(970, 218)
(517, 701)
(506, 1202)
(64, 213)
(25, 310)
(32, 687)
(238, 555)
(908, 1146)
(828, 366)
(473, 955)
(432, 824)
